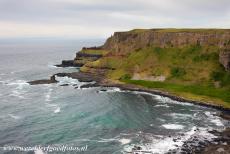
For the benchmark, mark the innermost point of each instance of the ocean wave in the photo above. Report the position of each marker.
(162, 105)
(214, 119)
(19, 88)
(163, 99)
(180, 115)
(19, 83)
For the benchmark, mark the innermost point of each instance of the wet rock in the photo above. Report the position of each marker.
(64, 85)
(220, 150)
(66, 63)
(45, 81)
(89, 85)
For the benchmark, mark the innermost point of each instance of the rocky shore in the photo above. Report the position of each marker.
(100, 81)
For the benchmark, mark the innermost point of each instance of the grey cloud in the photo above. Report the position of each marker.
(119, 14)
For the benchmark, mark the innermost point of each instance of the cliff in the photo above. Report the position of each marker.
(194, 63)
(122, 43)
(135, 39)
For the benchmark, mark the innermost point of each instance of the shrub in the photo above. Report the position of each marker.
(177, 72)
(125, 77)
(216, 76)
(222, 76)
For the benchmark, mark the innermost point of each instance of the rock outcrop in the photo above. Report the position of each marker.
(224, 57)
(80, 59)
(66, 63)
(45, 81)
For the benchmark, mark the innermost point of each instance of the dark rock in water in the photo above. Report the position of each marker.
(103, 90)
(136, 148)
(89, 85)
(66, 63)
(64, 85)
(45, 81)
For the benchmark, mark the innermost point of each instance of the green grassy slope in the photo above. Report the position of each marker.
(193, 72)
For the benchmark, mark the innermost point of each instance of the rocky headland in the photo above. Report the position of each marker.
(187, 58)
(193, 65)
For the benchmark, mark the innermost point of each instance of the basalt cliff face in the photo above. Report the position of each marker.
(121, 43)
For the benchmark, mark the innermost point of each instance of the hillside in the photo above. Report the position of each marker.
(190, 63)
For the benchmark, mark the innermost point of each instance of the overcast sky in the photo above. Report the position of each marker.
(100, 18)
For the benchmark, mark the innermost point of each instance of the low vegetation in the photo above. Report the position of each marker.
(192, 71)
(96, 52)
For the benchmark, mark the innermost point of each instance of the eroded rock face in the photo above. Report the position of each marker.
(224, 58)
(123, 42)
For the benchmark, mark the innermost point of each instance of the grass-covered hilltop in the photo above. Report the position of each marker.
(190, 63)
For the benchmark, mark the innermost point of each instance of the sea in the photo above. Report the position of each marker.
(53, 118)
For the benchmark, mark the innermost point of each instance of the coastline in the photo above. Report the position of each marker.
(218, 145)
(101, 81)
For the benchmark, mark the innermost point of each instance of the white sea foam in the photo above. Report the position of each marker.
(162, 105)
(14, 116)
(110, 90)
(124, 141)
(180, 115)
(161, 144)
(57, 110)
(19, 83)
(39, 151)
(52, 66)
(107, 140)
(51, 105)
(17, 93)
(66, 80)
(173, 126)
(71, 81)
(160, 119)
(19, 88)
(214, 119)
(48, 95)
(163, 99)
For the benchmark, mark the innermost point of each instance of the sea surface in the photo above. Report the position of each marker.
(101, 120)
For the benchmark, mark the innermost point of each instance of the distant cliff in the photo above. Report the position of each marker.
(135, 39)
(122, 43)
